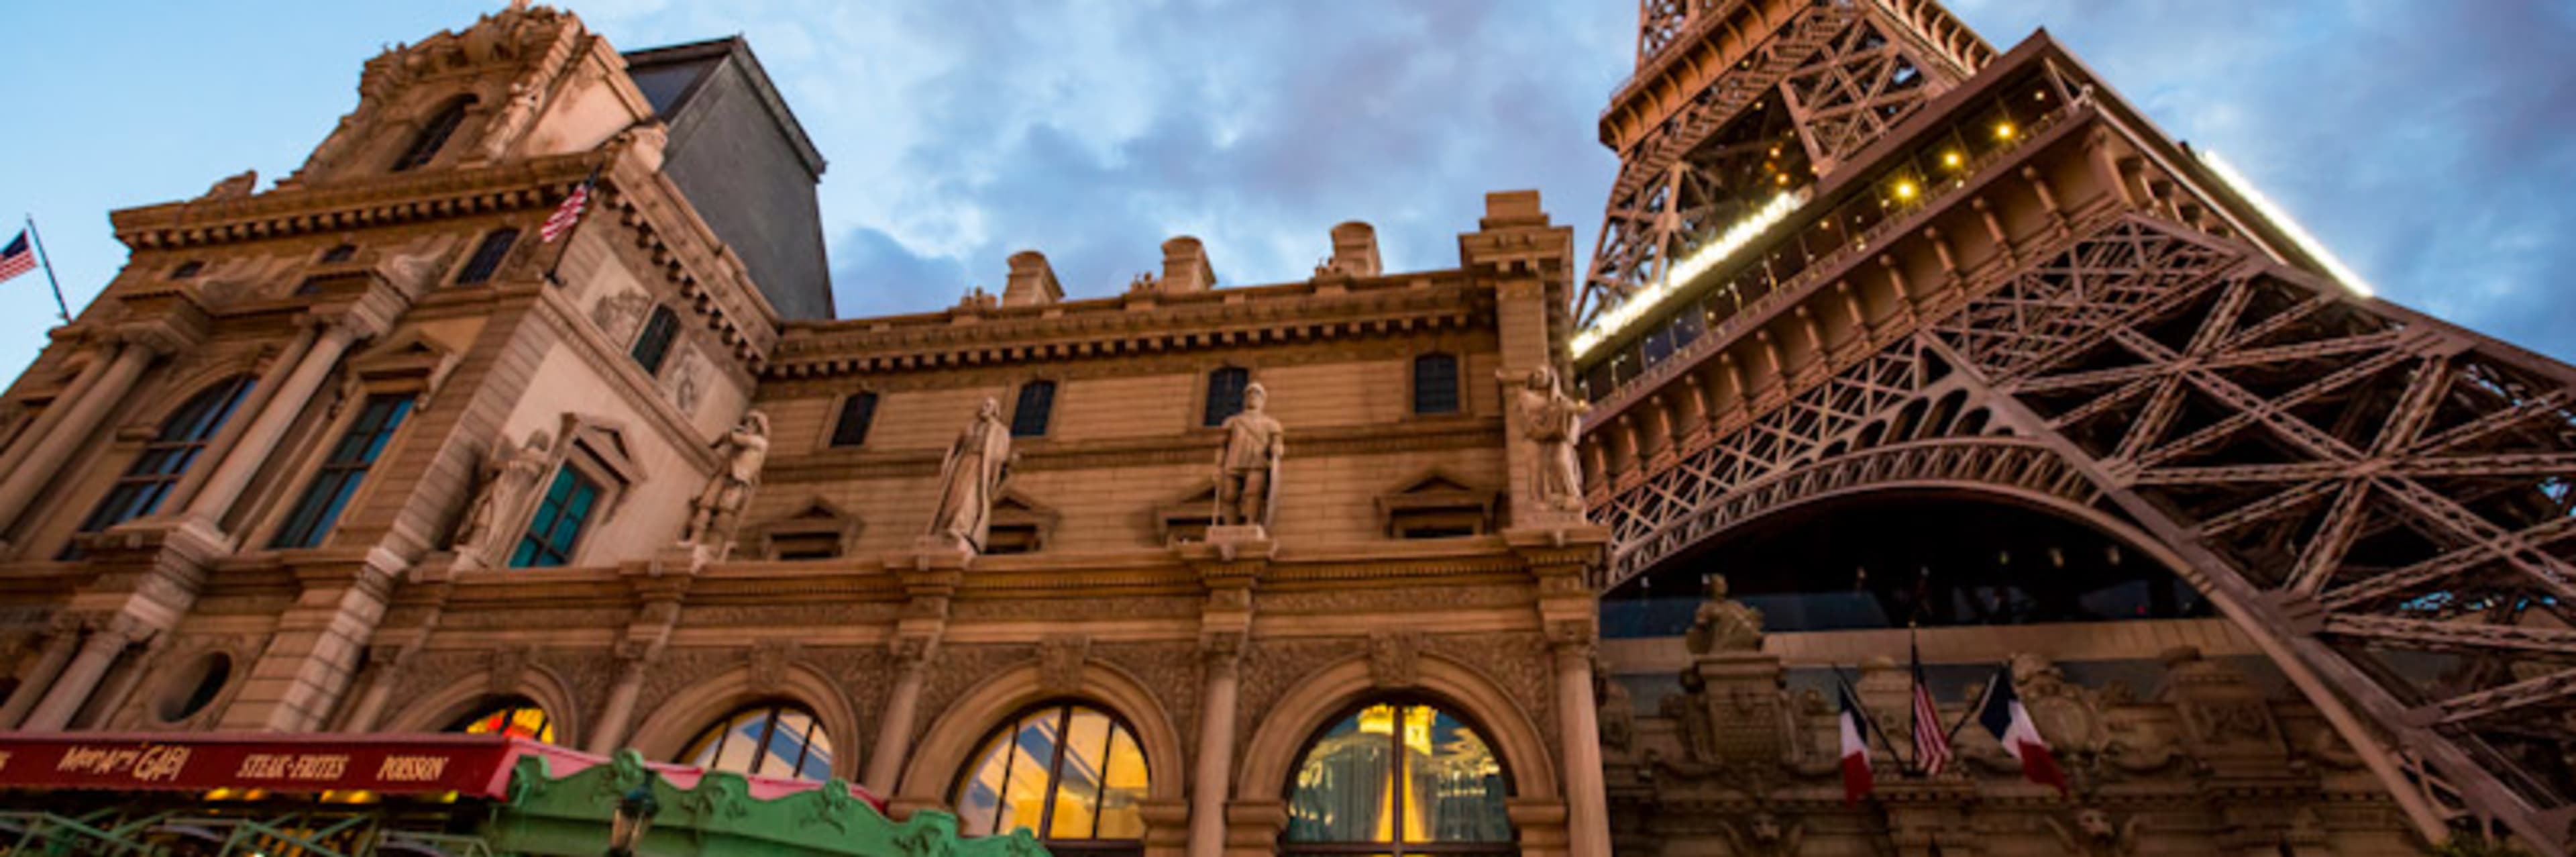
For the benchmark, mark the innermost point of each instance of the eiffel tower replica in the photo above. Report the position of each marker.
(1853, 248)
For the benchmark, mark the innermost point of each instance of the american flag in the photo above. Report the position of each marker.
(569, 212)
(1931, 742)
(18, 258)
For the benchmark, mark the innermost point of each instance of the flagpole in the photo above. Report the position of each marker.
(589, 186)
(48, 259)
(1866, 717)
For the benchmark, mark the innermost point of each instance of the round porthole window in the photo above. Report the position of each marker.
(194, 687)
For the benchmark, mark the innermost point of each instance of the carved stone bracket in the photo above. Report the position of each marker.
(1061, 658)
(1395, 659)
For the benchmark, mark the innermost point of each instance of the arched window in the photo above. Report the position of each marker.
(1225, 394)
(515, 716)
(1435, 384)
(487, 256)
(654, 344)
(433, 135)
(140, 491)
(857, 411)
(1070, 774)
(1037, 403)
(770, 739)
(1398, 778)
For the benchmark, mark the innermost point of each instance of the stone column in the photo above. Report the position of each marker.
(384, 667)
(1223, 657)
(312, 662)
(611, 730)
(257, 442)
(45, 455)
(229, 436)
(121, 683)
(53, 414)
(73, 687)
(1587, 801)
(903, 708)
(58, 651)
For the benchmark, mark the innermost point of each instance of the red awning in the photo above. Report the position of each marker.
(469, 765)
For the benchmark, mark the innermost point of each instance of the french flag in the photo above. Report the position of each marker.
(2002, 714)
(1855, 728)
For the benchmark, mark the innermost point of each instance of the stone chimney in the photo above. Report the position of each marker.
(1509, 208)
(1185, 267)
(1032, 281)
(1355, 249)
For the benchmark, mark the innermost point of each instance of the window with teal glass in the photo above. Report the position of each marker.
(312, 515)
(557, 526)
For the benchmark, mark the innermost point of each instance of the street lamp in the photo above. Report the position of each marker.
(634, 818)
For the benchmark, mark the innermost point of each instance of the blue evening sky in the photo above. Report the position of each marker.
(2427, 143)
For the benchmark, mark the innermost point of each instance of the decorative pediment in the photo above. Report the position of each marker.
(1020, 524)
(604, 444)
(818, 529)
(1187, 517)
(413, 362)
(1435, 504)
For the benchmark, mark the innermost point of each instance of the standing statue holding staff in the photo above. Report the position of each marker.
(1247, 466)
(718, 509)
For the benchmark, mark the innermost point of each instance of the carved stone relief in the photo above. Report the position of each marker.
(618, 315)
(1060, 661)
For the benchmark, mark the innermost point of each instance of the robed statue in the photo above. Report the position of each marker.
(718, 508)
(1723, 624)
(971, 479)
(1551, 420)
(1247, 466)
(508, 475)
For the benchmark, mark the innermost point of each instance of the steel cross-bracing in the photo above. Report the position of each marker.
(2389, 496)
(1809, 86)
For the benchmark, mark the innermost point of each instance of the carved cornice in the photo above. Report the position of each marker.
(1130, 325)
(1196, 447)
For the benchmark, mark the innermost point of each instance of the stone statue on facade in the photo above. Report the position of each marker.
(514, 119)
(1551, 421)
(978, 465)
(1247, 465)
(2094, 835)
(508, 476)
(718, 509)
(1723, 624)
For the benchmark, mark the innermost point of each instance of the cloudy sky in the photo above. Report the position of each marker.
(2428, 143)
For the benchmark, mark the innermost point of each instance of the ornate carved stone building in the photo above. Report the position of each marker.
(1305, 567)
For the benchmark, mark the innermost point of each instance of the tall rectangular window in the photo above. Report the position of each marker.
(1435, 384)
(1225, 394)
(1029, 418)
(557, 526)
(857, 412)
(654, 345)
(312, 516)
(487, 256)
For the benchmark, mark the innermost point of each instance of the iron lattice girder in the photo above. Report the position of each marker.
(2378, 424)
(1846, 72)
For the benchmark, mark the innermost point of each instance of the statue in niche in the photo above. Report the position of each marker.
(1723, 624)
(520, 110)
(508, 477)
(1247, 465)
(718, 509)
(978, 464)
(1551, 420)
